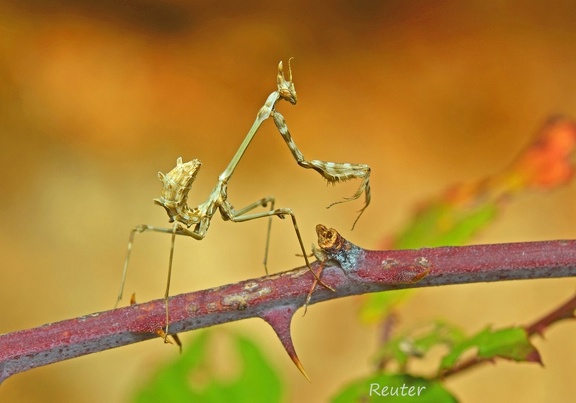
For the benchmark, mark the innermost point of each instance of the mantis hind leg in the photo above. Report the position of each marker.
(230, 213)
(281, 212)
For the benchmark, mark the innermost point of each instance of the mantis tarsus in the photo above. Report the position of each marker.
(194, 221)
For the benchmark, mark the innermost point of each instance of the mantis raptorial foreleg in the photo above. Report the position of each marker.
(333, 172)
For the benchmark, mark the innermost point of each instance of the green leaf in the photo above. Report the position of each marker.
(379, 305)
(511, 343)
(192, 378)
(444, 224)
(437, 333)
(418, 342)
(394, 389)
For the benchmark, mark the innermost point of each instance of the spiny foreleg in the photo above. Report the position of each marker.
(333, 172)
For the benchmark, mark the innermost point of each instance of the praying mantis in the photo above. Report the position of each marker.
(195, 221)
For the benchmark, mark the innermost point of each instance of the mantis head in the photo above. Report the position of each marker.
(286, 87)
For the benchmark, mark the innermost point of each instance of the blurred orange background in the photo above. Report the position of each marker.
(95, 98)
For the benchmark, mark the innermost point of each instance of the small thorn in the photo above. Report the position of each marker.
(166, 341)
(163, 335)
(308, 298)
(177, 340)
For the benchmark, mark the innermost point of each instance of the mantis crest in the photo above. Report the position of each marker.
(195, 221)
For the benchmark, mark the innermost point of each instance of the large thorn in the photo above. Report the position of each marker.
(280, 319)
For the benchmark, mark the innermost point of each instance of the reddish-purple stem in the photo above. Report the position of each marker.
(276, 298)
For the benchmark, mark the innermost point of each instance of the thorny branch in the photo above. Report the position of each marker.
(349, 269)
